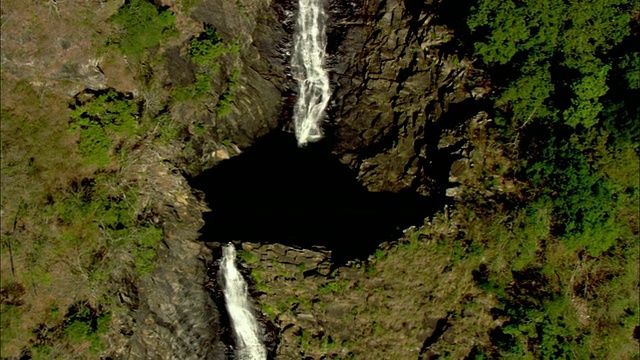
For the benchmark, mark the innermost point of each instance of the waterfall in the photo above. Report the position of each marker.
(244, 324)
(307, 61)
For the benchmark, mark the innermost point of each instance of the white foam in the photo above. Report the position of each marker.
(244, 324)
(307, 65)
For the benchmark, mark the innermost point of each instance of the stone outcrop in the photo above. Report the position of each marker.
(258, 71)
(171, 315)
(395, 89)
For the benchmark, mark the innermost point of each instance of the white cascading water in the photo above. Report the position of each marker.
(244, 324)
(307, 66)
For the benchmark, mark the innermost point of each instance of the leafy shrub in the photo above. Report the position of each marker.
(103, 115)
(204, 51)
(199, 88)
(142, 26)
(146, 239)
(85, 324)
(95, 145)
(208, 47)
(224, 107)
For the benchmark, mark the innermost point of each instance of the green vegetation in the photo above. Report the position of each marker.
(223, 107)
(204, 51)
(142, 27)
(68, 225)
(146, 240)
(200, 87)
(208, 47)
(333, 287)
(566, 93)
(247, 257)
(86, 325)
(549, 49)
(270, 312)
(101, 118)
(169, 129)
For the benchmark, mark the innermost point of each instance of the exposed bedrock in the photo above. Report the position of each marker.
(396, 93)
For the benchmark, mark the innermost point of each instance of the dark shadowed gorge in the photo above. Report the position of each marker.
(276, 192)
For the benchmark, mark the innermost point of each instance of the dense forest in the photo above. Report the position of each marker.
(566, 83)
(545, 226)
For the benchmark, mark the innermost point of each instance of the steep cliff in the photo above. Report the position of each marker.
(172, 311)
(396, 92)
(399, 119)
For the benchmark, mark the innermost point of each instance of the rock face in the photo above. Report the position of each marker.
(171, 315)
(174, 312)
(261, 66)
(278, 267)
(258, 71)
(393, 88)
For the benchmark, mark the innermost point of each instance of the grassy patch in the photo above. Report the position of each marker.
(270, 311)
(66, 222)
(333, 287)
(247, 257)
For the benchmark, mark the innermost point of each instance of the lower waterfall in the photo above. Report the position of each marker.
(240, 309)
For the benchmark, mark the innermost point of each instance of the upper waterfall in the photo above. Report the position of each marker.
(310, 42)
(244, 323)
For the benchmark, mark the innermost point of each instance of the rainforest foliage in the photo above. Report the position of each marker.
(142, 26)
(566, 76)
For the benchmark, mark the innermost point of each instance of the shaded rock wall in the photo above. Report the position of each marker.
(255, 26)
(259, 81)
(393, 83)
